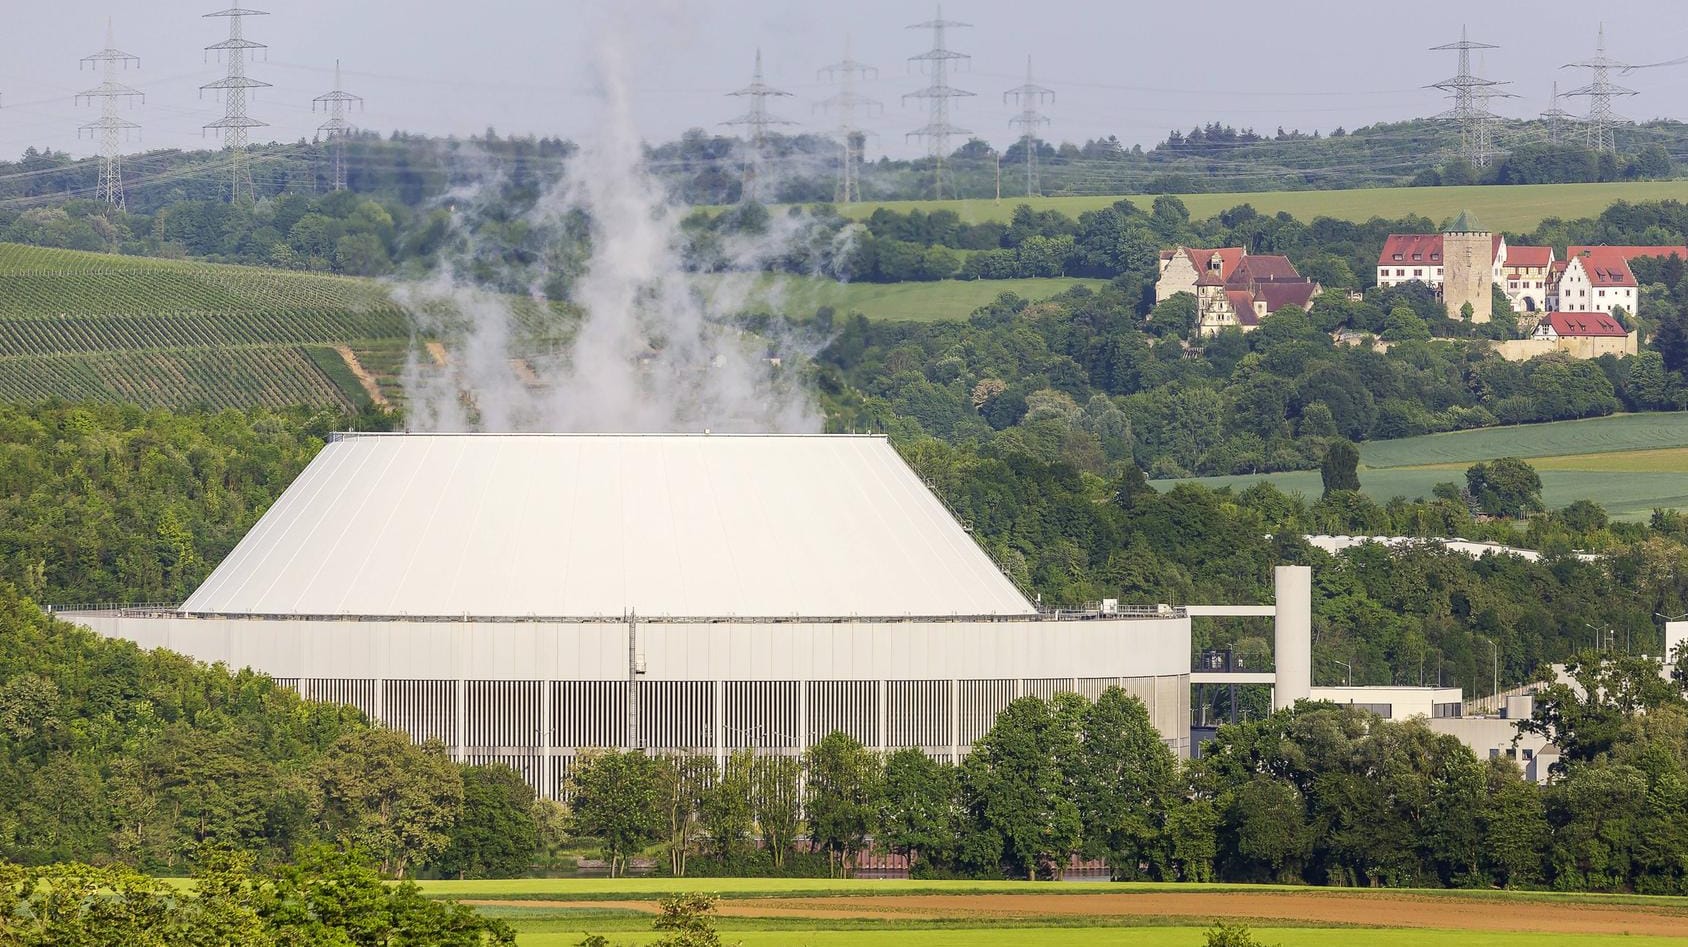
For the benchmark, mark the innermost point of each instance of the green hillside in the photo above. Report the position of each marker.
(1630, 464)
(1516, 208)
(170, 333)
(799, 296)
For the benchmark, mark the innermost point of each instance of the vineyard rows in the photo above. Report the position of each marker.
(53, 282)
(57, 335)
(174, 333)
(216, 378)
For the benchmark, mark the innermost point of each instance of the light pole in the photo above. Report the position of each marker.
(1597, 636)
(1496, 649)
(1350, 670)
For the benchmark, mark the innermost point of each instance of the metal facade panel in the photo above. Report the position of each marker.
(601, 525)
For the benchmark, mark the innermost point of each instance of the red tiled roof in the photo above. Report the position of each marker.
(1266, 266)
(1229, 257)
(1629, 253)
(1243, 302)
(1279, 295)
(1585, 324)
(1427, 245)
(1529, 256)
(1400, 249)
(1605, 269)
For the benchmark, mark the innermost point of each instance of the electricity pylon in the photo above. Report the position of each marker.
(1600, 91)
(110, 127)
(1031, 118)
(235, 125)
(1556, 118)
(847, 103)
(935, 62)
(335, 130)
(757, 120)
(1471, 95)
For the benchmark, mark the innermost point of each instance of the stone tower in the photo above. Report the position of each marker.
(1468, 261)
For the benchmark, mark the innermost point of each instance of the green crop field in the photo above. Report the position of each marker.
(1630, 464)
(1514, 208)
(798, 297)
(171, 333)
(1618, 433)
(833, 913)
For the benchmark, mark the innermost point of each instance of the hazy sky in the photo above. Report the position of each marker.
(1129, 69)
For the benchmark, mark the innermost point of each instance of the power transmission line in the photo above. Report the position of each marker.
(235, 125)
(847, 103)
(935, 62)
(757, 120)
(1471, 95)
(1030, 97)
(335, 130)
(1600, 91)
(110, 127)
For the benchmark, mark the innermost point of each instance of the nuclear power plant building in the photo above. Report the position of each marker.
(523, 598)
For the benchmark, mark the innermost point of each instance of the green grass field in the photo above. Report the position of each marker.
(1630, 464)
(798, 297)
(1514, 208)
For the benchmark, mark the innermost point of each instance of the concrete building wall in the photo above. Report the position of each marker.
(532, 695)
(1498, 738)
(1396, 703)
(1469, 258)
(1580, 347)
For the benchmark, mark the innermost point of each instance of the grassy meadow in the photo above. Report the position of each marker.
(1513, 208)
(798, 296)
(1630, 464)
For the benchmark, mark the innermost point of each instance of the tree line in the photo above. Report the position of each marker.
(326, 897)
(1315, 794)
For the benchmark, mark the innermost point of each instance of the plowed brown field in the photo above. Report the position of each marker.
(1315, 908)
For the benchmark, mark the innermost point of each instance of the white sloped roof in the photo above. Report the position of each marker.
(565, 525)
